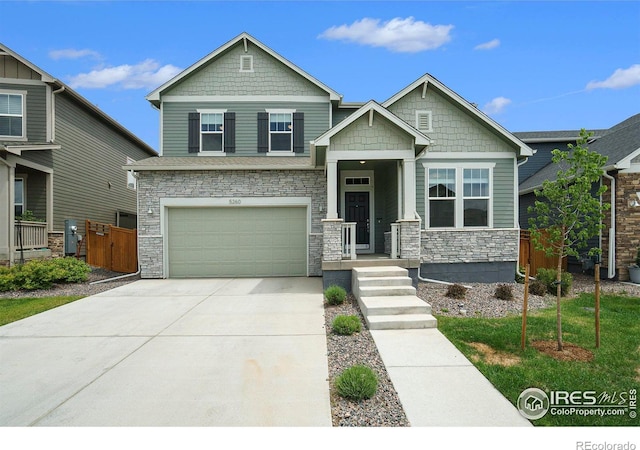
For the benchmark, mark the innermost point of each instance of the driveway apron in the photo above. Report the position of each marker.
(197, 352)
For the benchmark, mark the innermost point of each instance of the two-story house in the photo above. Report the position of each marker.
(265, 171)
(60, 158)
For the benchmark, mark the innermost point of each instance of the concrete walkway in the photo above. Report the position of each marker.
(215, 352)
(437, 385)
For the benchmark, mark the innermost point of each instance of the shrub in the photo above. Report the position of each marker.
(504, 292)
(335, 295)
(457, 291)
(357, 383)
(42, 274)
(548, 277)
(537, 287)
(346, 325)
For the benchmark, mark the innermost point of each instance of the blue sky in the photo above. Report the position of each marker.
(530, 65)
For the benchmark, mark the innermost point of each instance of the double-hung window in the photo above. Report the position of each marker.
(459, 197)
(211, 131)
(12, 115)
(280, 131)
(19, 196)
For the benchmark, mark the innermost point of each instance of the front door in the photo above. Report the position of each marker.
(357, 210)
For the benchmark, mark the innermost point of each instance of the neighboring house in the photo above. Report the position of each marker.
(60, 158)
(620, 239)
(265, 171)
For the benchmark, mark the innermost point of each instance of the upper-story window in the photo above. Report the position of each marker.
(459, 197)
(12, 115)
(281, 131)
(211, 132)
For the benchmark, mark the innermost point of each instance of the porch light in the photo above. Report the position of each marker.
(362, 162)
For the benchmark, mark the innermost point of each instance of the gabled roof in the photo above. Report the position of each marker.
(620, 144)
(154, 97)
(370, 107)
(83, 102)
(429, 80)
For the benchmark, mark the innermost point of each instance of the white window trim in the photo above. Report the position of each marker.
(280, 111)
(250, 59)
(459, 198)
(23, 94)
(211, 152)
(131, 175)
(430, 120)
(24, 192)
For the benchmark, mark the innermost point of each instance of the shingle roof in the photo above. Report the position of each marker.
(617, 144)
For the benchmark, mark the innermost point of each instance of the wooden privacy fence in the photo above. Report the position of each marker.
(111, 247)
(535, 258)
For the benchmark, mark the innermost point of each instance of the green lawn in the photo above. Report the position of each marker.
(615, 367)
(12, 309)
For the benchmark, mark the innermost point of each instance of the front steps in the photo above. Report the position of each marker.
(388, 299)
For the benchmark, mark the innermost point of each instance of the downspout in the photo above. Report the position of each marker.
(611, 270)
(420, 277)
(53, 111)
(520, 274)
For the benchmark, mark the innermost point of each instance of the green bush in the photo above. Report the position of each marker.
(504, 292)
(335, 295)
(548, 277)
(346, 325)
(42, 274)
(457, 291)
(537, 287)
(357, 383)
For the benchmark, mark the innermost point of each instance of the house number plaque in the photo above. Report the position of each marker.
(235, 201)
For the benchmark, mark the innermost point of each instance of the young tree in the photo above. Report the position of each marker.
(568, 210)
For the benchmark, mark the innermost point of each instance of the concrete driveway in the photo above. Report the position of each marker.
(197, 352)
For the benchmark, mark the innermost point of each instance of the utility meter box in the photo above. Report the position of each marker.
(70, 237)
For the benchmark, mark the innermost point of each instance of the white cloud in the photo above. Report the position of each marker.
(71, 53)
(621, 79)
(398, 35)
(488, 45)
(496, 106)
(147, 74)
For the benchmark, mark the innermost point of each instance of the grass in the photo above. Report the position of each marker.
(12, 309)
(615, 366)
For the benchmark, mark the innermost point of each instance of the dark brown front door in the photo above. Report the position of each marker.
(357, 210)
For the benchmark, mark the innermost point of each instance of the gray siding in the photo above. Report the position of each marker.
(540, 159)
(88, 179)
(175, 124)
(339, 114)
(503, 189)
(454, 130)
(383, 135)
(36, 113)
(12, 68)
(222, 76)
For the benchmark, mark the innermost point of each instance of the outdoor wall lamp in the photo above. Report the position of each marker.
(634, 203)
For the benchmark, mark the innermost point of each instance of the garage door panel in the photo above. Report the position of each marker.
(237, 241)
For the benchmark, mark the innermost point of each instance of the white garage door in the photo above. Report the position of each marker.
(237, 241)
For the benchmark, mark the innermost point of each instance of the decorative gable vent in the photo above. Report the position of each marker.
(246, 63)
(423, 121)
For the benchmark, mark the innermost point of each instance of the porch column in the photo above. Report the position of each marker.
(409, 167)
(332, 190)
(49, 194)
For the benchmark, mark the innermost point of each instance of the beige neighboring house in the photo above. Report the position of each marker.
(60, 158)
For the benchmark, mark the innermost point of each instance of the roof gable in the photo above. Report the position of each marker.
(429, 82)
(240, 44)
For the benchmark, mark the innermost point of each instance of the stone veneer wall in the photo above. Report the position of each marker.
(152, 186)
(627, 222)
(470, 246)
(56, 243)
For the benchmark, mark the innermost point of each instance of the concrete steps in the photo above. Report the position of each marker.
(388, 299)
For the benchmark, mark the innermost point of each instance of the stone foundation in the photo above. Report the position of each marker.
(56, 243)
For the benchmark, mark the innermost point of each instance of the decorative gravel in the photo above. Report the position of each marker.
(480, 301)
(384, 408)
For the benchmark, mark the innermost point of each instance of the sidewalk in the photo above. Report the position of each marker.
(438, 385)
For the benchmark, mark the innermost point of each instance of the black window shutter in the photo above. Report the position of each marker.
(194, 132)
(230, 132)
(298, 132)
(263, 132)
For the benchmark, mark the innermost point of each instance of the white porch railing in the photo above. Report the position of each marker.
(31, 235)
(395, 240)
(349, 240)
